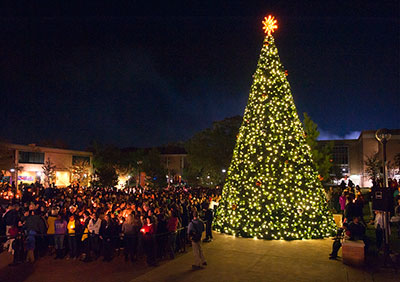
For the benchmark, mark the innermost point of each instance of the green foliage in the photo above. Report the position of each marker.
(106, 161)
(109, 161)
(321, 153)
(210, 151)
(105, 155)
(107, 176)
(272, 189)
(373, 167)
(154, 169)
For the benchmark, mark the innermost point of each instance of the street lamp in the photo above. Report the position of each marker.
(383, 136)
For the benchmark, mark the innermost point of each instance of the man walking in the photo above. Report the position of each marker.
(195, 230)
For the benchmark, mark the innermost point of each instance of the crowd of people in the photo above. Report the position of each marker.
(348, 200)
(87, 223)
(90, 222)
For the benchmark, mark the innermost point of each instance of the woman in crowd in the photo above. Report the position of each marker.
(148, 232)
(72, 242)
(130, 229)
(60, 229)
(96, 217)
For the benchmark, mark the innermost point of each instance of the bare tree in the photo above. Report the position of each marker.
(49, 171)
(80, 172)
(374, 165)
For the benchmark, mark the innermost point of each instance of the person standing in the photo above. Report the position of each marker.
(72, 244)
(172, 226)
(208, 216)
(60, 229)
(342, 202)
(94, 232)
(195, 231)
(329, 198)
(50, 229)
(130, 229)
(10, 217)
(148, 232)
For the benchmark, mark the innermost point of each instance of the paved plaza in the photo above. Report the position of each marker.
(238, 259)
(229, 259)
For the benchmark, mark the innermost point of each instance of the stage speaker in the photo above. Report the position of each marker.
(382, 199)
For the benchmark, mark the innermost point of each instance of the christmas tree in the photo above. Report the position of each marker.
(272, 190)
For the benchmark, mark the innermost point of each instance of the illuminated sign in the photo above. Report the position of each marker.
(25, 178)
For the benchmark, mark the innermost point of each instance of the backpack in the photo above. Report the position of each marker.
(196, 235)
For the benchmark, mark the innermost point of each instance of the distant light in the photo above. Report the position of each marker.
(208, 177)
(85, 175)
(39, 173)
(12, 170)
(343, 169)
(223, 170)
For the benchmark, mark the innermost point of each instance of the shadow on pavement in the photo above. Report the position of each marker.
(17, 273)
(180, 276)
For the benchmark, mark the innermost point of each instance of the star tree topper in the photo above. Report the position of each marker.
(270, 24)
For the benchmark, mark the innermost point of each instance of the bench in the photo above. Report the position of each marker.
(353, 252)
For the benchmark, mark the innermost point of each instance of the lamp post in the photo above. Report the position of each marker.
(383, 135)
(223, 175)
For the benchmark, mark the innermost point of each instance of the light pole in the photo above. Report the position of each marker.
(223, 176)
(383, 135)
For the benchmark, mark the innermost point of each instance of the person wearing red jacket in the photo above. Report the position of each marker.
(148, 231)
(172, 226)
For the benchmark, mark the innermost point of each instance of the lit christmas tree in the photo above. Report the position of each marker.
(272, 189)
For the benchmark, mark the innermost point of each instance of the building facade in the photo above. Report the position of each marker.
(173, 159)
(25, 163)
(350, 156)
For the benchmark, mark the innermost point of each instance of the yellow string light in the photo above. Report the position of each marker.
(272, 190)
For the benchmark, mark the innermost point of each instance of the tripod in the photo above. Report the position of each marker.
(387, 260)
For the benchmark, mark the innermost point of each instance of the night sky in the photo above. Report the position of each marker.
(135, 74)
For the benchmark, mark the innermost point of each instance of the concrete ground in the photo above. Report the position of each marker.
(238, 259)
(229, 259)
